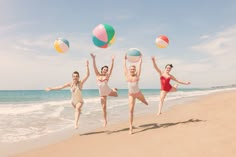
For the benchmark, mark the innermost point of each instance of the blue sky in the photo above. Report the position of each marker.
(202, 38)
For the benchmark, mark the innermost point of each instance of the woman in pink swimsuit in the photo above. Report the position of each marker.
(104, 89)
(76, 87)
(132, 77)
(165, 78)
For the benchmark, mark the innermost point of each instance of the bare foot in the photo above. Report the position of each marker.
(159, 113)
(130, 130)
(76, 126)
(105, 123)
(176, 86)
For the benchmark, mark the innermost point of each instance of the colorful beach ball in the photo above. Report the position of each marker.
(162, 41)
(61, 45)
(133, 55)
(103, 35)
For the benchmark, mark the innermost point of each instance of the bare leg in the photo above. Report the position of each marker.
(113, 92)
(77, 114)
(174, 88)
(104, 109)
(142, 99)
(131, 113)
(162, 98)
(73, 105)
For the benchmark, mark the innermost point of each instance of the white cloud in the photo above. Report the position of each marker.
(218, 67)
(13, 26)
(220, 43)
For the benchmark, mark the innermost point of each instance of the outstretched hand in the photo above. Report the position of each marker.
(125, 57)
(141, 59)
(87, 63)
(92, 55)
(113, 57)
(187, 83)
(153, 58)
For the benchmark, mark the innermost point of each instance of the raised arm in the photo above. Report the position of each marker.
(94, 65)
(139, 67)
(155, 65)
(87, 73)
(112, 65)
(181, 82)
(125, 67)
(58, 87)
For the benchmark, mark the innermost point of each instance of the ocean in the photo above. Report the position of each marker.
(31, 114)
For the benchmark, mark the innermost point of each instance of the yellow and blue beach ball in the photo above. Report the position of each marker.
(61, 45)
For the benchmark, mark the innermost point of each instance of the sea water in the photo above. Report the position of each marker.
(31, 114)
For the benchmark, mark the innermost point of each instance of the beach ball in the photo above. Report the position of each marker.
(103, 35)
(61, 45)
(133, 55)
(162, 41)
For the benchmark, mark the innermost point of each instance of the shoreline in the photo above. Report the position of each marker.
(122, 126)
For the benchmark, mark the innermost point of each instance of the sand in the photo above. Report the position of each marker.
(203, 128)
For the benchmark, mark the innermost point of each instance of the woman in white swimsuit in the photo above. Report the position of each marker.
(132, 77)
(76, 92)
(104, 89)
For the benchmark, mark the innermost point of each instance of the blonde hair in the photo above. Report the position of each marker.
(133, 66)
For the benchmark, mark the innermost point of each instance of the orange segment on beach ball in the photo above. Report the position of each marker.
(61, 45)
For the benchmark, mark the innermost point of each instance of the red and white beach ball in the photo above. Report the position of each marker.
(162, 41)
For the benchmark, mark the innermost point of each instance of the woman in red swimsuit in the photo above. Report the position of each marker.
(165, 78)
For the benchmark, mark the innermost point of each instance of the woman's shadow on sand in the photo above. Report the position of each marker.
(147, 127)
(164, 125)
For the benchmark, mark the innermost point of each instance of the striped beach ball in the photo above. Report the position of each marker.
(61, 45)
(133, 55)
(162, 41)
(103, 35)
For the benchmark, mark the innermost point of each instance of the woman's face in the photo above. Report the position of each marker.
(132, 70)
(104, 70)
(168, 69)
(75, 77)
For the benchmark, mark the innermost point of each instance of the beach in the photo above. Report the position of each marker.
(203, 127)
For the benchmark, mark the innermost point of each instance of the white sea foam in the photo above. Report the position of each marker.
(19, 122)
(56, 113)
(19, 109)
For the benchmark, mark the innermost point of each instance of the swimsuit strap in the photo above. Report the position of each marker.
(77, 86)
